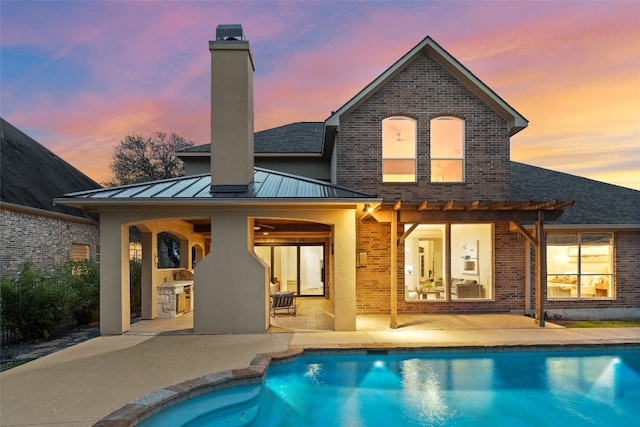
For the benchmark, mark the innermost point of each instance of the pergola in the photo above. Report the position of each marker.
(516, 213)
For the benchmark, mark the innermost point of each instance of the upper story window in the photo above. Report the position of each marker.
(447, 149)
(398, 149)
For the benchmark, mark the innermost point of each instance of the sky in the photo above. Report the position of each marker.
(78, 76)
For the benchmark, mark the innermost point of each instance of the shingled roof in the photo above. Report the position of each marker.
(32, 176)
(298, 138)
(596, 203)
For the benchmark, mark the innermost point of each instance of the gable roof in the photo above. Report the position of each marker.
(301, 137)
(32, 176)
(293, 138)
(268, 186)
(596, 202)
(514, 119)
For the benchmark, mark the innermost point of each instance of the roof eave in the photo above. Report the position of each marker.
(516, 121)
(221, 202)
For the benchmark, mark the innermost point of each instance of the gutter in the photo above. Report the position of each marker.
(49, 214)
(177, 203)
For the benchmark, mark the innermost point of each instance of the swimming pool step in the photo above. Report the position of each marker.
(239, 413)
(237, 406)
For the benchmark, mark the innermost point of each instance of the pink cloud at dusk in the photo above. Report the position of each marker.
(79, 76)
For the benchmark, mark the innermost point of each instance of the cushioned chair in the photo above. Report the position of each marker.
(283, 301)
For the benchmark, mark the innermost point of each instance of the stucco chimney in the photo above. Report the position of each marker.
(231, 110)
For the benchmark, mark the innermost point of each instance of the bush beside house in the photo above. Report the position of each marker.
(35, 305)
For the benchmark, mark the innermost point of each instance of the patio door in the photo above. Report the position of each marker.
(299, 268)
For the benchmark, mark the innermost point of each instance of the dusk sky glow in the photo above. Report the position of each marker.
(78, 76)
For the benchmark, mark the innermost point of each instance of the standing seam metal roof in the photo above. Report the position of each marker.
(267, 184)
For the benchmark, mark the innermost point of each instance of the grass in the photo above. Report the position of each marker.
(5, 366)
(598, 323)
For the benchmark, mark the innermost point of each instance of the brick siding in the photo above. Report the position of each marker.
(424, 90)
(373, 281)
(46, 240)
(626, 278)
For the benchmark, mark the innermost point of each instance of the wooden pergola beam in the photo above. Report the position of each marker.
(525, 233)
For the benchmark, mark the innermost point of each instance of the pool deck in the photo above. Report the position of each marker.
(82, 384)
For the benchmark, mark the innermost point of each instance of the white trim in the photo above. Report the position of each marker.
(516, 121)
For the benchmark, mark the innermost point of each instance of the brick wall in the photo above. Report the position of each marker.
(424, 90)
(626, 277)
(45, 239)
(373, 281)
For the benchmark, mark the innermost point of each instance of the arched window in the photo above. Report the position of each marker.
(398, 149)
(447, 149)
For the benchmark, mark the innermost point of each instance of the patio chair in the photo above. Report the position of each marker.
(283, 301)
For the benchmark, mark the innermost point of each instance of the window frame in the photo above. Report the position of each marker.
(387, 160)
(565, 280)
(432, 146)
(447, 241)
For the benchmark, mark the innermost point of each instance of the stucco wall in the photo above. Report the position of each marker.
(46, 240)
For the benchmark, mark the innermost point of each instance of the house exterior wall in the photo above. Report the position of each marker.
(312, 167)
(424, 90)
(373, 281)
(49, 240)
(626, 303)
(230, 283)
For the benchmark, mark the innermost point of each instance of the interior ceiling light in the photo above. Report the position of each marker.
(258, 226)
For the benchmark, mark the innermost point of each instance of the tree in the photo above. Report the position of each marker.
(139, 158)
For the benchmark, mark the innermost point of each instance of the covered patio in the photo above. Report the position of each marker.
(315, 315)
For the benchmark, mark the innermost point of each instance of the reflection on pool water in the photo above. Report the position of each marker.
(452, 389)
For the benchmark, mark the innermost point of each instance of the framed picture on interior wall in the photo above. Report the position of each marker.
(470, 257)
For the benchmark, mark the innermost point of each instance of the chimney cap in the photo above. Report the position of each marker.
(226, 32)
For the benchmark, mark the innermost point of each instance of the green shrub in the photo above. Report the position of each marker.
(33, 305)
(83, 278)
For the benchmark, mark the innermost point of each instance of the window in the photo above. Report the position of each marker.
(79, 252)
(168, 251)
(470, 257)
(135, 251)
(298, 268)
(447, 149)
(579, 265)
(399, 149)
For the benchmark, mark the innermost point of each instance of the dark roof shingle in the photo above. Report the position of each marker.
(596, 203)
(300, 137)
(32, 176)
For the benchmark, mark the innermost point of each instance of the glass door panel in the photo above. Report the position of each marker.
(311, 270)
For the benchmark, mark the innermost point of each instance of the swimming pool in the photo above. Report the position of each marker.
(562, 388)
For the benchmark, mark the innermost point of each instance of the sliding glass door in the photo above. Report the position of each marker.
(298, 268)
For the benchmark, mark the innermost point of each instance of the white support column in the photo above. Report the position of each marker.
(115, 315)
(149, 301)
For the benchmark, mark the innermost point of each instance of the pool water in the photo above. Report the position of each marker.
(453, 389)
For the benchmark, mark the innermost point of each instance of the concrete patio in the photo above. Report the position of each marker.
(82, 384)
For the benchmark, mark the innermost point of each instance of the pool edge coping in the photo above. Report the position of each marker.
(150, 404)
